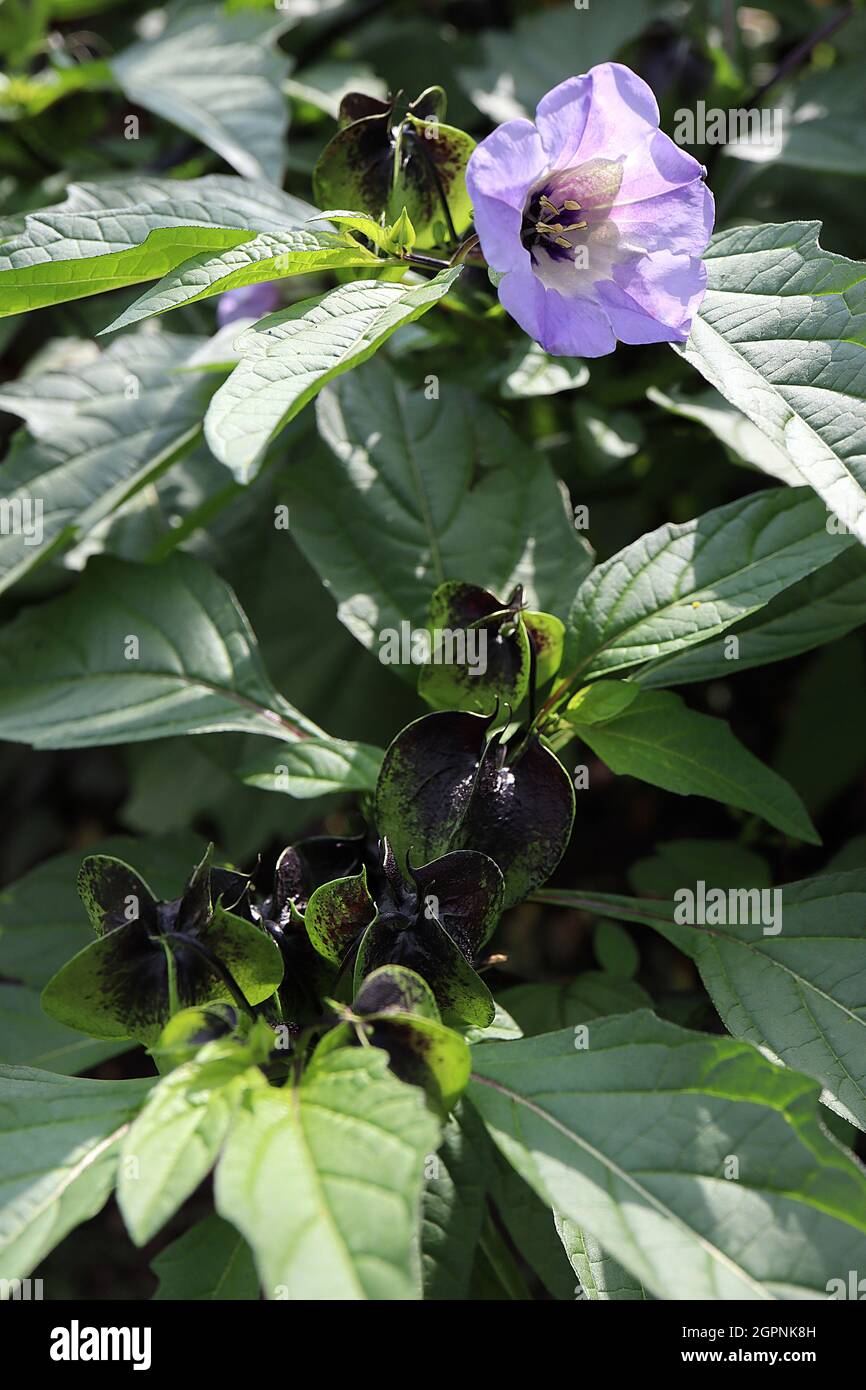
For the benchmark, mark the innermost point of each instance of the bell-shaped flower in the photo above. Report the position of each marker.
(592, 218)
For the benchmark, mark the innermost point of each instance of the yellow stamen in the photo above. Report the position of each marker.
(561, 241)
(571, 206)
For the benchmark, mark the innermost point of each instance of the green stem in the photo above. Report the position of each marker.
(465, 249)
(558, 696)
(426, 262)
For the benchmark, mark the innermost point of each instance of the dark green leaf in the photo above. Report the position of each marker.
(658, 738)
(633, 1137)
(210, 1262)
(59, 1145)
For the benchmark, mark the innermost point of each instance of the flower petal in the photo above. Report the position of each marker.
(655, 300)
(607, 111)
(564, 327)
(656, 165)
(679, 220)
(611, 114)
(500, 172)
(250, 301)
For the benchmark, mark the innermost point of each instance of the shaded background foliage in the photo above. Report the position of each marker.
(621, 454)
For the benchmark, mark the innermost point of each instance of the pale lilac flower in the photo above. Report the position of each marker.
(249, 302)
(595, 219)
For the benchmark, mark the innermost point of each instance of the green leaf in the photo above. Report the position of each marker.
(42, 922)
(658, 738)
(197, 668)
(631, 1138)
(683, 583)
(313, 768)
(288, 357)
(268, 256)
(816, 124)
(602, 700)
(592, 994)
(59, 1144)
(741, 439)
(530, 1227)
(502, 1028)
(217, 76)
(22, 29)
(324, 1180)
(819, 609)
(395, 239)
(540, 50)
(780, 334)
(324, 84)
(604, 439)
(461, 498)
(453, 1206)
(530, 371)
(601, 1278)
(173, 1143)
(821, 768)
(98, 434)
(852, 855)
(724, 863)
(797, 989)
(28, 1038)
(26, 96)
(209, 1263)
(107, 235)
(615, 951)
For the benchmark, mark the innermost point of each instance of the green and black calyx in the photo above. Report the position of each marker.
(372, 938)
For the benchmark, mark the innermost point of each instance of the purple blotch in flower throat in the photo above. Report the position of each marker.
(594, 219)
